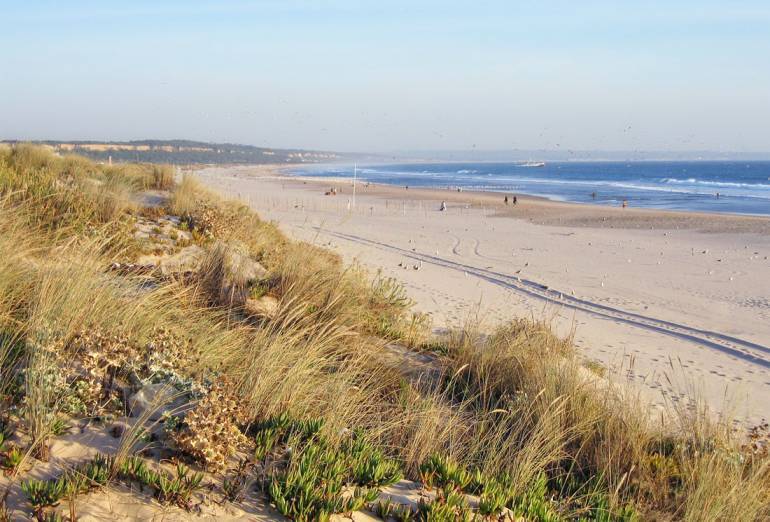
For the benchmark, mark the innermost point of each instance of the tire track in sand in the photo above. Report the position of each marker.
(745, 350)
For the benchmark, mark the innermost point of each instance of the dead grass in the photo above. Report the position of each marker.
(553, 415)
(162, 177)
(187, 196)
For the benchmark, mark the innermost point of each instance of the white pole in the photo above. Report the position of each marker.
(355, 174)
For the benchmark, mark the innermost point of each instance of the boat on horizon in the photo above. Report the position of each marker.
(533, 164)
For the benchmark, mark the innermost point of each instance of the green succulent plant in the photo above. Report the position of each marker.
(389, 510)
(316, 480)
(43, 493)
(168, 488)
(12, 459)
(441, 471)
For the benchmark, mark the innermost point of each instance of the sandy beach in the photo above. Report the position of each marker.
(678, 303)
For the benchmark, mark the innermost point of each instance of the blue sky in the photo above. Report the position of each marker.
(376, 76)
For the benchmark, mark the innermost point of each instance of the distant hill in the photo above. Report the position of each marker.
(186, 152)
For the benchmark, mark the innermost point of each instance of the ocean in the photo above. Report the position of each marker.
(743, 187)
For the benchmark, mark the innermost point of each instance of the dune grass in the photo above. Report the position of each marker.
(515, 405)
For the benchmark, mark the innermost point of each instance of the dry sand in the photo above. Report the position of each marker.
(678, 303)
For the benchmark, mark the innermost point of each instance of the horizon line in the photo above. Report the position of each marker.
(390, 152)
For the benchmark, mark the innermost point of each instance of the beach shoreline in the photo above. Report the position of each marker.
(647, 295)
(536, 209)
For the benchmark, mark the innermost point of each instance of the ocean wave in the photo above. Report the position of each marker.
(632, 185)
(696, 181)
(513, 188)
(556, 186)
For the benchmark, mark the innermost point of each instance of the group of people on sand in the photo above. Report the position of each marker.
(507, 201)
(515, 200)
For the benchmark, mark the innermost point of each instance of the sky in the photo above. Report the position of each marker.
(377, 76)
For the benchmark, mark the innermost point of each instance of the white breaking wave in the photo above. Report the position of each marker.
(548, 185)
(695, 181)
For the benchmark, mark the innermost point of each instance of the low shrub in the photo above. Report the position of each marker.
(210, 431)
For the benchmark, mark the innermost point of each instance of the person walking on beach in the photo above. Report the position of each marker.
(506, 200)
(443, 206)
(515, 200)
